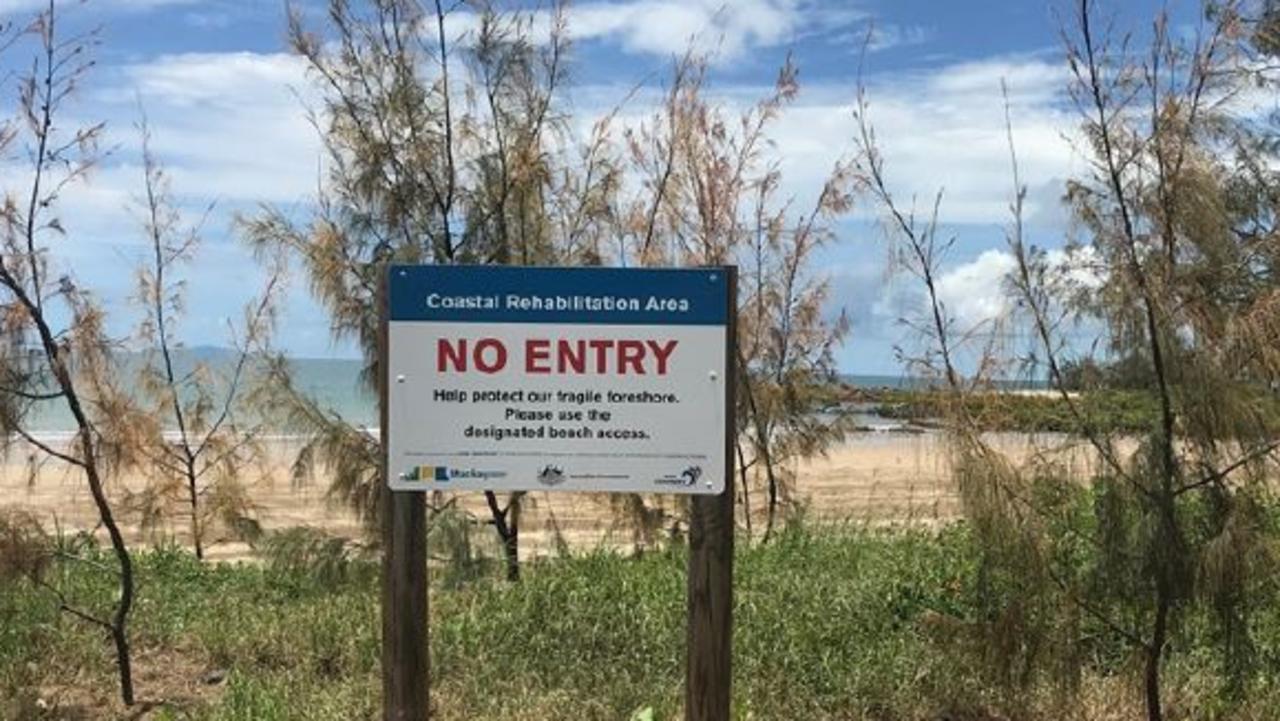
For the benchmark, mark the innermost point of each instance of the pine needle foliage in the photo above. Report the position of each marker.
(201, 441)
(438, 149)
(25, 548)
(310, 552)
(1125, 532)
(55, 347)
(443, 147)
(709, 194)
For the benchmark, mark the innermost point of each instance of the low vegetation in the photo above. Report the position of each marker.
(1110, 410)
(832, 623)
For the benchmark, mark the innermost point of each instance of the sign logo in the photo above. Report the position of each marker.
(551, 476)
(445, 474)
(421, 474)
(686, 478)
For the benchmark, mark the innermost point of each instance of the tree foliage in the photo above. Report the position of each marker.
(56, 350)
(200, 440)
(710, 195)
(1176, 220)
(444, 148)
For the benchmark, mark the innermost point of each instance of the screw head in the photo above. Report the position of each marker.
(714, 375)
(400, 378)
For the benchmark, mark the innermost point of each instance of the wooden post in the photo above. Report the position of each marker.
(708, 672)
(405, 653)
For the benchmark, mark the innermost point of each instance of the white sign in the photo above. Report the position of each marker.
(557, 379)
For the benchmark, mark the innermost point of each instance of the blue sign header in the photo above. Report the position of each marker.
(518, 294)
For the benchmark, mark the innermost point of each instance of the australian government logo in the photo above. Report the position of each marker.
(686, 478)
(551, 476)
(446, 474)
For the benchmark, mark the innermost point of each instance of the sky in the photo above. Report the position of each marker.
(225, 103)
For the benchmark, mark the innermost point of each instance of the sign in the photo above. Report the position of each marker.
(557, 379)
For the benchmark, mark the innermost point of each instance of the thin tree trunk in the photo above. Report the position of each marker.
(120, 636)
(773, 503)
(746, 486)
(506, 521)
(512, 547)
(89, 460)
(193, 492)
(1155, 653)
(119, 621)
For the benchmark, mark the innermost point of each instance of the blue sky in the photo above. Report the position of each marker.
(222, 96)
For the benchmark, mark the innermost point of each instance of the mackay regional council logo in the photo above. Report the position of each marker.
(445, 474)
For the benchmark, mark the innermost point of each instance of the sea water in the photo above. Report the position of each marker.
(339, 385)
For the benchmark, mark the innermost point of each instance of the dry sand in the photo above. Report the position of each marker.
(872, 477)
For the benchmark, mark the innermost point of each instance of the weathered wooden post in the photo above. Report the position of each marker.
(708, 668)
(406, 685)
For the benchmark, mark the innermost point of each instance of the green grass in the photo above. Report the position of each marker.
(1105, 411)
(831, 623)
(1102, 410)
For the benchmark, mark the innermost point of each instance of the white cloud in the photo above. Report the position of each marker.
(9, 6)
(974, 293)
(883, 36)
(208, 20)
(726, 31)
(230, 129)
(944, 129)
(221, 79)
(667, 27)
(938, 129)
(230, 126)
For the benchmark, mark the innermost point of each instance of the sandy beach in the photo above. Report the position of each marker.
(871, 477)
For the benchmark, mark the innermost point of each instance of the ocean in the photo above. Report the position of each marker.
(337, 385)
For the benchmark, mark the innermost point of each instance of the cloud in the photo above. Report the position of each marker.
(208, 20)
(726, 31)
(10, 6)
(667, 27)
(974, 293)
(883, 36)
(944, 129)
(230, 129)
(939, 129)
(230, 126)
(222, 79)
